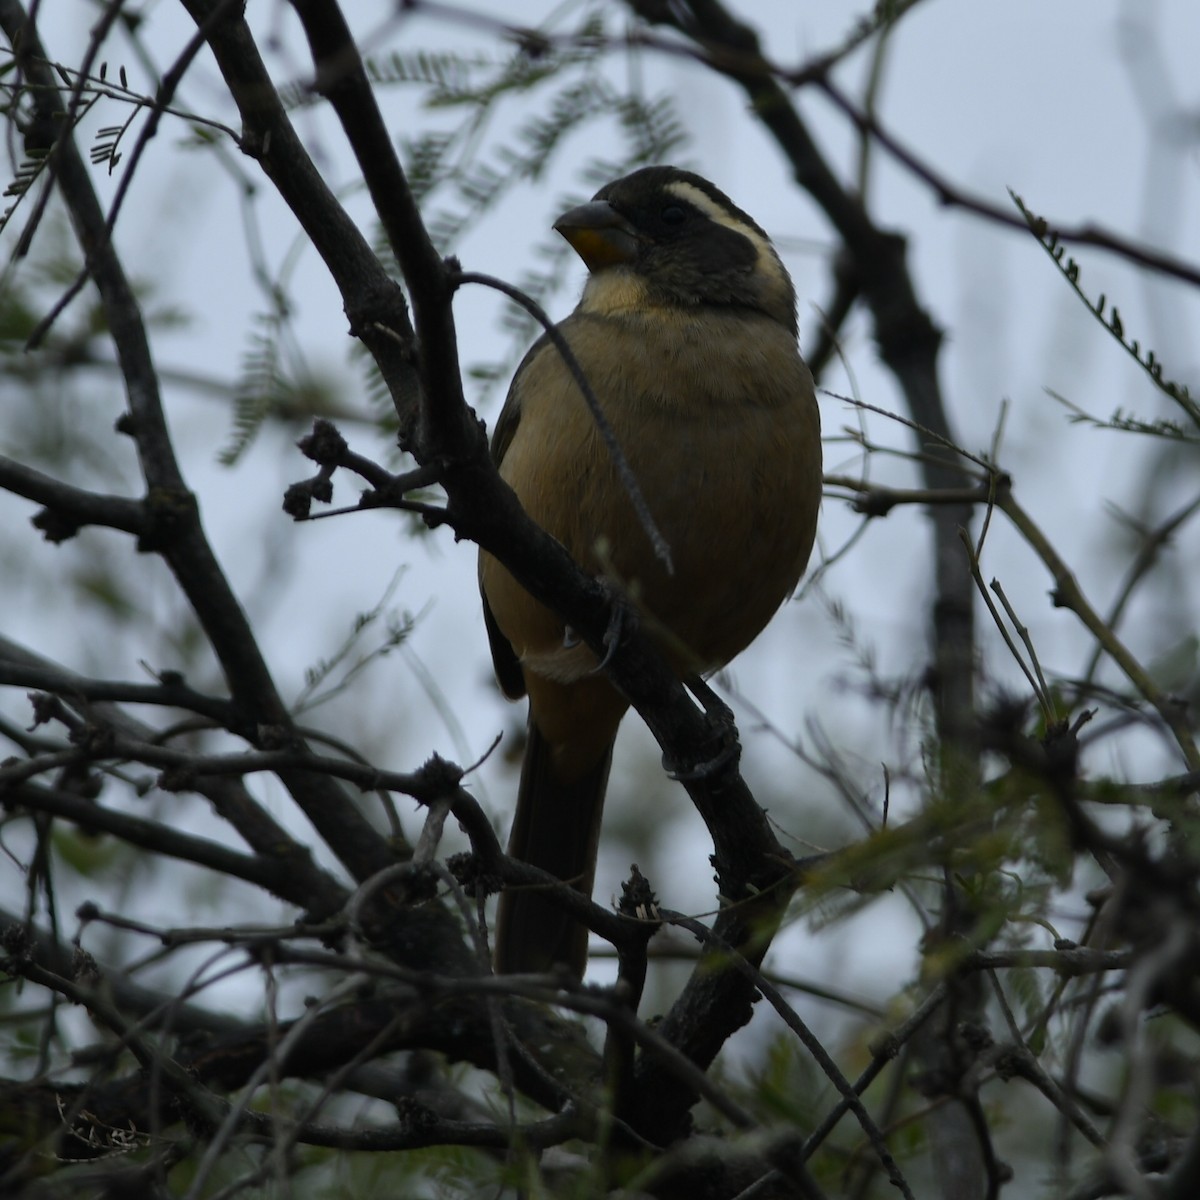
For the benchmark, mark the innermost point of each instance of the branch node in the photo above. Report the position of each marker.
(168, 511)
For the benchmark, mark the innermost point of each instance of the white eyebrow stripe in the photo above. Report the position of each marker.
(767, 261)
(700, 199)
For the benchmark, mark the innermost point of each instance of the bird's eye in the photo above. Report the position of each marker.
(673, 214)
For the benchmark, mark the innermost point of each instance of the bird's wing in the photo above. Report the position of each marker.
(504, 657)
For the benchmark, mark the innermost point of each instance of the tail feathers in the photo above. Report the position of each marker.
(557, 828)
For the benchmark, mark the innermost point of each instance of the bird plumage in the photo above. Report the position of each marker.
(686, 332)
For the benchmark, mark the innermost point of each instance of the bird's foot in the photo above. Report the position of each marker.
(726, 756)
(622, 620)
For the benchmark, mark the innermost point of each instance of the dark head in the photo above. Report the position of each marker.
(671, 238)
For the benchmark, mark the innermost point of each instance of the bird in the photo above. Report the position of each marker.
(686, 331)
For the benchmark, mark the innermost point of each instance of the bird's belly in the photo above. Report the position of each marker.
(733, 489)
(737, 510)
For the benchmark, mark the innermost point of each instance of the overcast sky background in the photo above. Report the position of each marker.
(1086, 108)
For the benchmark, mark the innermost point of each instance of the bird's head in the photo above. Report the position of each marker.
(666, 237)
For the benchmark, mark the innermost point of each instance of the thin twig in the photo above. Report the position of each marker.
(811, 1043)
(1068, 594)
(662, 551)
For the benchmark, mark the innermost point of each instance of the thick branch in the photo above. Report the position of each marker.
(447, 426)
(374, 302)
(750, 861)
(269, 874)
(68, 509)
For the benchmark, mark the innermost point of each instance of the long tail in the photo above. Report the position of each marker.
(557, 828)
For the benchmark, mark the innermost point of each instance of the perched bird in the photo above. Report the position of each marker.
(686, 331)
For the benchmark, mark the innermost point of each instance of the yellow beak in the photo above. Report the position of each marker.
(599, 235)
